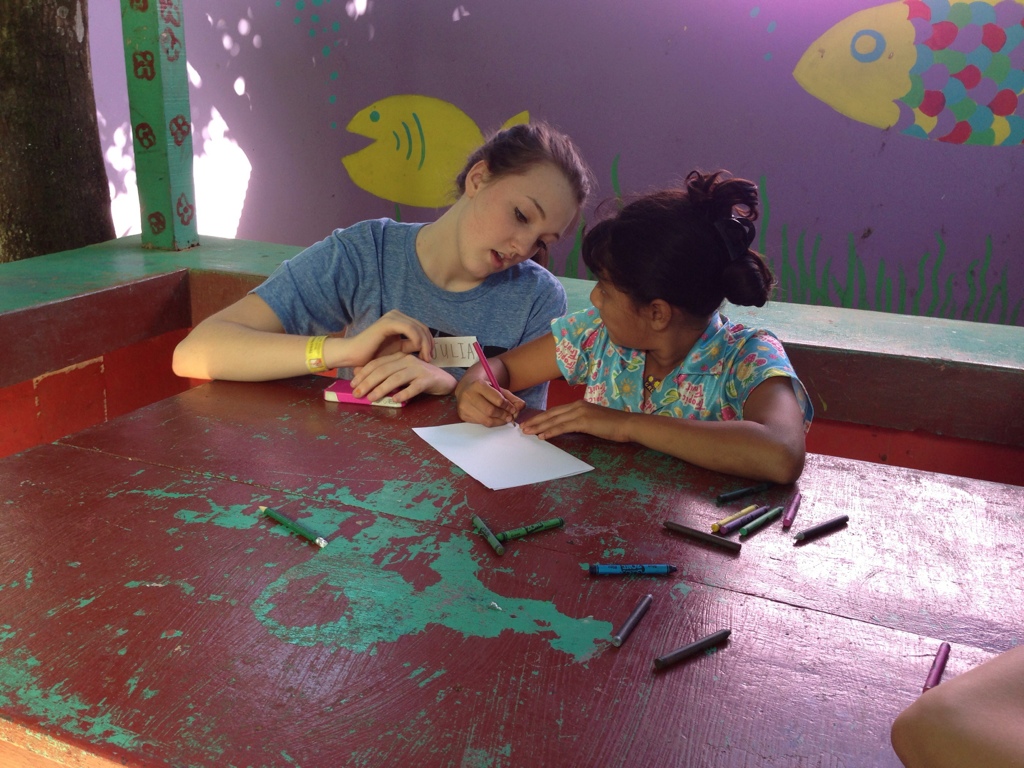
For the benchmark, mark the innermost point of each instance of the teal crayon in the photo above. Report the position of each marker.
(518, 533)
(656, 569)
(739, 493)
(486, 532)
(764, 519)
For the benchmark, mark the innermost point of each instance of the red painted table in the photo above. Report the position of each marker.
(150, 615)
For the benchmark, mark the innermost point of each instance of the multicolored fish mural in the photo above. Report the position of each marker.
(420, 146)
(952, 72)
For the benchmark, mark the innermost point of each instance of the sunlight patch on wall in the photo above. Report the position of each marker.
(355, 8)
(124, 203)
(221, 171)
(245, 29)
(194, 78)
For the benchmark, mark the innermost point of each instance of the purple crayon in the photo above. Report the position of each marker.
(938, 667)
(791, 508)
(739, 522)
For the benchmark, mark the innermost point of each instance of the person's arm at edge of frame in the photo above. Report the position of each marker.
(767, 444)
(518, 369)
(246, 342)
(973, 719)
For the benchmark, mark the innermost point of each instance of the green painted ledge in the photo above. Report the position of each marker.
(869, 332)
(947, 377)
(62, 275)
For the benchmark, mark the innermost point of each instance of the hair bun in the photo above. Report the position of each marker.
(737, 232)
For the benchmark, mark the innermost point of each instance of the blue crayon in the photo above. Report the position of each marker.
(739, 522)
(631, 570)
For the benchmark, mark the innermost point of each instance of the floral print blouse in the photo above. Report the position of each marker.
(711, 384)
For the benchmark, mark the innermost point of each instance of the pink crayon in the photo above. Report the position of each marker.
(790, 514)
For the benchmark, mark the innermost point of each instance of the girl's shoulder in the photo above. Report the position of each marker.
(376, 231)
(581, 321)
(533, 271)
(738, 335)
(585, 330)
(531, 283)
(726, 345)
(368, 242)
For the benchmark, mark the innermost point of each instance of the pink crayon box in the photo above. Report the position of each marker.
(341, 392)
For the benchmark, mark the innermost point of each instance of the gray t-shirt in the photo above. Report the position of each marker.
(352, 278)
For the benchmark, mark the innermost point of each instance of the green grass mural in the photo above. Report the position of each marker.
(806, 277)
(574, 266)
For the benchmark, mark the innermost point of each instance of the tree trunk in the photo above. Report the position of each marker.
(53, 185)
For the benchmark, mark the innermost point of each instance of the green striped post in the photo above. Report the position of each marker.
(154, 51)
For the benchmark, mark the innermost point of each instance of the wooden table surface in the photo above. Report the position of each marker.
(150, 615)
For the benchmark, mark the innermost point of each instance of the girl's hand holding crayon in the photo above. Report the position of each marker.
(480, 403)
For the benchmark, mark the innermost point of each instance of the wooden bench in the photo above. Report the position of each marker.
(88, 335)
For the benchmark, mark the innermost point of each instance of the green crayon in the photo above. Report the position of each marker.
(482, 527)
(767, 517)
(295, 527)
(518, 533)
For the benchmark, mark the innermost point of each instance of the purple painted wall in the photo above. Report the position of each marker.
(856, 215)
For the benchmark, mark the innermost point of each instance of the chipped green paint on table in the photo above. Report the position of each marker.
(150, 615)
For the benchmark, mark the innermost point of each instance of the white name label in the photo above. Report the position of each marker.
(454, 352)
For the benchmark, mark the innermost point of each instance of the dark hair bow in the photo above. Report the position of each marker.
(737, 233)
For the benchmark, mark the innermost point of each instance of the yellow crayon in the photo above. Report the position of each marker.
(730, 518)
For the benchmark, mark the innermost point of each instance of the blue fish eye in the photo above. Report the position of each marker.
(374, 116)
(866, 57)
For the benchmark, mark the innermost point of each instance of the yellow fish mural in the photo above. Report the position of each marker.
(420, 145)
(933, 69)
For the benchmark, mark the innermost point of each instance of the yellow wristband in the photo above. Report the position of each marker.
(315, 354)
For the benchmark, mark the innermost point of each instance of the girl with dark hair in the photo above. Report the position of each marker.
(654, 344)
(372, 296)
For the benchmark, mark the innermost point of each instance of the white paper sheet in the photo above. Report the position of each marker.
(501, 457)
